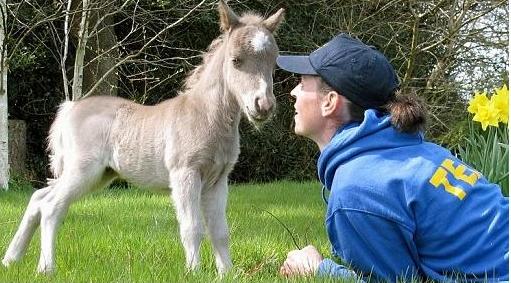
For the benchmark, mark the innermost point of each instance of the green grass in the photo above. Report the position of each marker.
(129, 235)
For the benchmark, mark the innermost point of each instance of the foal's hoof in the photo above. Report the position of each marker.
(222, 271)
(5, 262)
(45, 270)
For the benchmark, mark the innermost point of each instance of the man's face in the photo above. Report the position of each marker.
(308, 118)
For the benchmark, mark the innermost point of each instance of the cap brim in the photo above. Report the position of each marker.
(296, 64)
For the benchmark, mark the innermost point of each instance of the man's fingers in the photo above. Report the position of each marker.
(282, 270)
(309, 247)
(285, 269)
(300, 262)
(292, 253)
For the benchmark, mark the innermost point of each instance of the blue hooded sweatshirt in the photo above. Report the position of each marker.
(401, 207)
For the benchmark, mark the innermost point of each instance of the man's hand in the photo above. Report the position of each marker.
(301, 262)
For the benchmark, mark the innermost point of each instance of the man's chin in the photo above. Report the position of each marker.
(298, 132)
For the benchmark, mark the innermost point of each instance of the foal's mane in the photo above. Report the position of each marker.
(196, 73)
(249, 18)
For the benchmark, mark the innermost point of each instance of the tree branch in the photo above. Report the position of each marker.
(148, 43)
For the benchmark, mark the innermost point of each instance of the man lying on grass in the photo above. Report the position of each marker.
(399, 207)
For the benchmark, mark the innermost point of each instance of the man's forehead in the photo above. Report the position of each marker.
(309, 78)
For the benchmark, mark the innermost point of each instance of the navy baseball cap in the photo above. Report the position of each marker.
(355, 70)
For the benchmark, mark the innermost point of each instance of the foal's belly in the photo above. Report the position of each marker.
(152, 182)
(144, 169)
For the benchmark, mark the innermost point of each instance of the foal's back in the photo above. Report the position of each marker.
(143, 143)
(122, 136)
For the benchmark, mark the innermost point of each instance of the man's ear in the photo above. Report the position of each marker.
(331, 104)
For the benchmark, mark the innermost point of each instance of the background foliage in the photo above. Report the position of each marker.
(441, 49)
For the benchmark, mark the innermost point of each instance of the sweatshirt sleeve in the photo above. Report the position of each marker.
(328, 268)
(374, 245)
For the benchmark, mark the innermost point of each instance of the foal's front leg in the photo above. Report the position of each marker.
(186, 187)
(214, 203)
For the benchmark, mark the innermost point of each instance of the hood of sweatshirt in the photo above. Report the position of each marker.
(375, 132)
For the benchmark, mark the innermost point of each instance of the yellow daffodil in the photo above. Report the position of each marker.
(480, 99)
(500, 102)
(487, 115)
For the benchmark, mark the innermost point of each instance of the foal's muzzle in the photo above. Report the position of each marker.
(264, 108)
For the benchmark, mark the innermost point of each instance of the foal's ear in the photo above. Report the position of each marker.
(228, 18)
(273, 21)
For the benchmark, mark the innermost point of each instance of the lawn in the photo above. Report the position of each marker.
(129, 235)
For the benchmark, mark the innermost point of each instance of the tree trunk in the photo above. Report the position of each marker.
(100, 53)
(83, 36)
(4, 143)
(17, 146)
(102, 41)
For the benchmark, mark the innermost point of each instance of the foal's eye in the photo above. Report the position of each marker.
(236, 61)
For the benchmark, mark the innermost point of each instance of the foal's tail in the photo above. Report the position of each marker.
(56, 138)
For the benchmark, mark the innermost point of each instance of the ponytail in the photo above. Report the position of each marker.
(407, 112)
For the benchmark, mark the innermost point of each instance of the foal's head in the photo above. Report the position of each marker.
(249, 61)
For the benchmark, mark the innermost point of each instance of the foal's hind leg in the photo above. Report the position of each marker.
(214, 202)
(71, 186)
(27, 227)
(186, 187)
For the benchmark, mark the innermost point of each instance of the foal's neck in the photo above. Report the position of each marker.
(221, 106)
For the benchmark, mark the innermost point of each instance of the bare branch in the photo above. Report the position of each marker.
(148, 43)
(63, 60)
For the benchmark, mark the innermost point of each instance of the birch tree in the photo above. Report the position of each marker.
(4, 146)
(10, 10)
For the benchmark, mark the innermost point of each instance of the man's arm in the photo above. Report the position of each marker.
(308, 262)
(374, 245)
(329, 268)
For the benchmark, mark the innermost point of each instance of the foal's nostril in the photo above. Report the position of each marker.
(257, 107)
(262, 108)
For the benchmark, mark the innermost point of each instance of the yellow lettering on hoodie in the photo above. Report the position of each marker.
(440, 178)
(459, 172)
